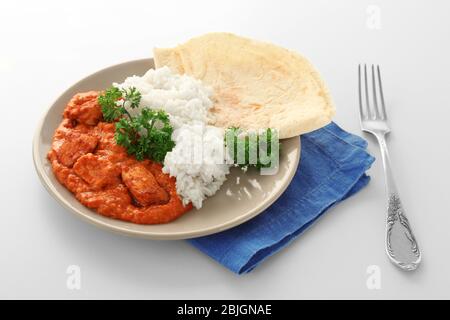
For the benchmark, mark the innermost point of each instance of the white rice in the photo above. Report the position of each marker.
(197, 162)
(184, 98)
(198, 158)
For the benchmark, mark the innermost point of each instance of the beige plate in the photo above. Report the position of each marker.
(243, 195)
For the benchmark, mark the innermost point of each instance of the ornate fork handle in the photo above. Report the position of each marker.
(401, 245)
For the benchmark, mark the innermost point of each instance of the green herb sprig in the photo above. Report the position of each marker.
(115, 100)
(145, 135)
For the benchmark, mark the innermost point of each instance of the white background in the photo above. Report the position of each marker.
(48, 45)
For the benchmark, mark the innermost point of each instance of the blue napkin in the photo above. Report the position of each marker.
(332, 167)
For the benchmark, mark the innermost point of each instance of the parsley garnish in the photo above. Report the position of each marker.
(115, 100)
(132, 96)
(108, 101)
(145, 135)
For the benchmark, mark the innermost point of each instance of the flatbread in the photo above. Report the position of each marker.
(256, 84)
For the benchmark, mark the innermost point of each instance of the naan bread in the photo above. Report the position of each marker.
(256, 85)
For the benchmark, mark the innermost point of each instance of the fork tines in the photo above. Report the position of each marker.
(376, 110)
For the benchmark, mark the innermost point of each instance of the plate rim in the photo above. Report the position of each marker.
(48, 185)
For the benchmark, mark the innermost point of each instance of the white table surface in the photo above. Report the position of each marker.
(48, 45)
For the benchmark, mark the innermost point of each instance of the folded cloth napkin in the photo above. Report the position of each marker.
(332, 168)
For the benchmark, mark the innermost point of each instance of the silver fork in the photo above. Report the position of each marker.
(401, 245)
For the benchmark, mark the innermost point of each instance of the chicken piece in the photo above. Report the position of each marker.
(83, 107)
(97, 171)
(143, 185)
(69, 144)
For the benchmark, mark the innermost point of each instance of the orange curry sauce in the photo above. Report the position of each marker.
(86, 160)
